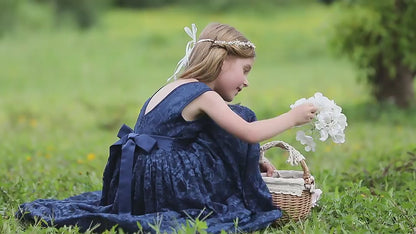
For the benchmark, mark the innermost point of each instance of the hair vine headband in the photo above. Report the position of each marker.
(191, 44)
(234, 43)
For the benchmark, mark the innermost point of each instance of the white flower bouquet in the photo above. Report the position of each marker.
(329, 122)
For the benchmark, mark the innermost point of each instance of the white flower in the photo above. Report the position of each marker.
(329, 121)
(298, 102)
(306, 140)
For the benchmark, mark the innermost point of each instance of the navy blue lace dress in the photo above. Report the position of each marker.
(168, 170)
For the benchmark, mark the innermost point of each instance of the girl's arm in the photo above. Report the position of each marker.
(212, 104)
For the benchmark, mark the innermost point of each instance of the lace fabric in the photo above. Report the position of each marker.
(214, 175)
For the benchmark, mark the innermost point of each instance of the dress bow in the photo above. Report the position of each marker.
(130, 139)
(128, 142)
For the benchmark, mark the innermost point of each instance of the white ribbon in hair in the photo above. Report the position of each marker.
(189, 47)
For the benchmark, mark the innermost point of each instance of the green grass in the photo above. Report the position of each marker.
(64, 93)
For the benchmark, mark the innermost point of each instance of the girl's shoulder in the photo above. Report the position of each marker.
(193, 83)
(189, 88)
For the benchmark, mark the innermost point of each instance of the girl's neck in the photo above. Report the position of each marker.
(187, 80)
(210, 84)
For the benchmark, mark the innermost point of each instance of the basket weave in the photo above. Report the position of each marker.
(294, 207)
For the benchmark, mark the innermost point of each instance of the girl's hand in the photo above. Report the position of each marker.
(267, 167)
(303, 114)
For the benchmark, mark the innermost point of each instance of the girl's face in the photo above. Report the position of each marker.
(233, 77)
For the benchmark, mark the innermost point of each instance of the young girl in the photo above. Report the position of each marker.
(191, 154)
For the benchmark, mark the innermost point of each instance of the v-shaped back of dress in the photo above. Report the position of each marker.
(165, 118)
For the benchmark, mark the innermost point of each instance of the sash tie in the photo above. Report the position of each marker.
(128, 142)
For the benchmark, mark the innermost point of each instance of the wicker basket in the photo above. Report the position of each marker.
(294, 207)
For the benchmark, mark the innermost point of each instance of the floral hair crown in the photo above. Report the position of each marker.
(191, 44)
(234, 43)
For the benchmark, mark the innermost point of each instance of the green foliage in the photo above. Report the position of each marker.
(8, 14)
(380, 197)
(363, 200)
(83, 13)
(379, 38)
(35, 15)
(63, 94)
(141, 3)
(194, 226)
(369, 30)
(210, 5)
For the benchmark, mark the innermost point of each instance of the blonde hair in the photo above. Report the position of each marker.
(207, 56)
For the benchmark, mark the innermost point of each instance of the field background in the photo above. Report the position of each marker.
(64, 93)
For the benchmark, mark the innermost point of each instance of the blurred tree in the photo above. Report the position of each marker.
(328, 2)
(84, 12)
(8, 14)
(210, 5)
(380, 38)
(142, 3)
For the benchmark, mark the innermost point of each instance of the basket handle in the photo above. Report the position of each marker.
(295, 157)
